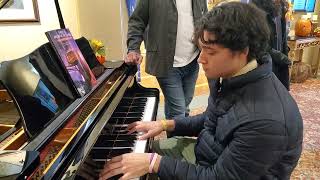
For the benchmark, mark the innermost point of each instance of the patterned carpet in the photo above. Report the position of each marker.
(307, 95)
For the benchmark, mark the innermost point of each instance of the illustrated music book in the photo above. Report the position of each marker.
(72, 60)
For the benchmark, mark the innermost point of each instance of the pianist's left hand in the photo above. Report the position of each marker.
(131, 165)
(150, 129)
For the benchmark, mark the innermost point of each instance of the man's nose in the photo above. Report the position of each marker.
(201, 58)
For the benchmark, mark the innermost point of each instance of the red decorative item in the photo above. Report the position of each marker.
(101, 59)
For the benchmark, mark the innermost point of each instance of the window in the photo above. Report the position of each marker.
(304, 5)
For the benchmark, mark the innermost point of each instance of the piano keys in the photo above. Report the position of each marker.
(114, 140)
(74, 128)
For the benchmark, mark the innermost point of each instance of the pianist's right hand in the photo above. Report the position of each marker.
(150, 129)
(133, 58)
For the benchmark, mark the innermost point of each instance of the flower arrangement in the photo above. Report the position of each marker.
(98, 49)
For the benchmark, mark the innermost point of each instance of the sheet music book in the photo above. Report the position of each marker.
(72, 59)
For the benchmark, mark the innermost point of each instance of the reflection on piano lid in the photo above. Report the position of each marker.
(17, 164)
(9, 115)
(38, 88)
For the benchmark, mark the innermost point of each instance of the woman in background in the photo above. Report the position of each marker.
(276, 11)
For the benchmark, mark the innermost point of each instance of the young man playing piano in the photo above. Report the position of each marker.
(252, 127)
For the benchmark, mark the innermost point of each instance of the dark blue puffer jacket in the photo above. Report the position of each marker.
(252, 129)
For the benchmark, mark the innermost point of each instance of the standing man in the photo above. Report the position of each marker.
(171, 55)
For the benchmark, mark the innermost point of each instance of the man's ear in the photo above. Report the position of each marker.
(245, 51)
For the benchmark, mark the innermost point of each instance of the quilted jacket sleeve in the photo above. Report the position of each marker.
(192, 125)
(189, 126)
(252, 151)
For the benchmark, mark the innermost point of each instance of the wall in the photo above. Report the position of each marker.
(17, 40)
(105, 20)
(70, 13)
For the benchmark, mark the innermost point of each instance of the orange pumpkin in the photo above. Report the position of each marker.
(303, 27)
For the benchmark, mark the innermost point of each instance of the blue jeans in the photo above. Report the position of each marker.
(178, 89)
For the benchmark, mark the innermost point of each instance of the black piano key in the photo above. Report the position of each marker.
(145, 94)
(122, 129)
(89, 171)
(130, 99)
(108, 153)
(100, 164)
(126, 98)
(125, 103)
(140, 104)
(126, 120)
(131, 108)
(128, 137)
(108, 130)
(113, 120)
(130, 120)
(128, 114)
(114, 143)
(140, 100)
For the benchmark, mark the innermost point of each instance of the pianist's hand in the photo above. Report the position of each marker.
(131, 165)
(133, 58)
(150, 129)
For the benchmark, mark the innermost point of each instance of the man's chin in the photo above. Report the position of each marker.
(209, 76)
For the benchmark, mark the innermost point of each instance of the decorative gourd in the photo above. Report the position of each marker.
(303, 27)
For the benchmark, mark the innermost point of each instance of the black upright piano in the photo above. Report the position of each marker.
(61, 135)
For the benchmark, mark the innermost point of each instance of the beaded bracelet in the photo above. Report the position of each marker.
(151, 157)
(154, 159)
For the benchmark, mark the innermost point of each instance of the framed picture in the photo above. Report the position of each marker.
(20, 11)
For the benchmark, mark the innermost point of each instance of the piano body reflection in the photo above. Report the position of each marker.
(40, 111)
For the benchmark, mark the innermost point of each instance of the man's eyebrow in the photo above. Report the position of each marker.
(207, 46)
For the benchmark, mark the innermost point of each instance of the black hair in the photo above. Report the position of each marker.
(236, 26)
(272, 7)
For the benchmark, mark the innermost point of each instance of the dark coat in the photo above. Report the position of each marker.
(252, 129)
(161, 18)
(280, 67)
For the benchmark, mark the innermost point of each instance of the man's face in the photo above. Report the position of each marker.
(218, 61)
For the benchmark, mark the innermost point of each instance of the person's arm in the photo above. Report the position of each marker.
(192, 125)
(254, 149)
(188, 126)
(137, 24)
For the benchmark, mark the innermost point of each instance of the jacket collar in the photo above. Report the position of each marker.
(263, 70)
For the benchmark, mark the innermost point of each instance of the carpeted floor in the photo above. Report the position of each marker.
(307, 95)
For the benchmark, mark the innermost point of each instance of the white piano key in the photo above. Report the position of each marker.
(140, 145)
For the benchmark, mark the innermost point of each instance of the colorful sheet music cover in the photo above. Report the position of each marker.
(72, 59)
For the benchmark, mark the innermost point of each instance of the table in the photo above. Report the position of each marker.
(296, 51)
